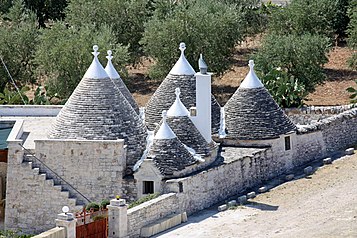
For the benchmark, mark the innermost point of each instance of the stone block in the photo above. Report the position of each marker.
(262, 189)
(251, 195)
(349, 151)
(308, 170)
(222, 208)
(242, 199)
(327, 161)
(289, 177)
(184, 217)
(232, 203)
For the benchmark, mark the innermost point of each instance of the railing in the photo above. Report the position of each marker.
(59, 177)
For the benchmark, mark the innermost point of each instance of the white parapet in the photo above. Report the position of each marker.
(202, 120)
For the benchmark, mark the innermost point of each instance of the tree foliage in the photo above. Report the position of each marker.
(300, 57)
(352, 32)
(18, 38)
(324, 17)
(209, 27)
(126, 18)
(63, 55)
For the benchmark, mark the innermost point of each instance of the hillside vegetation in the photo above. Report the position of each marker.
(45, 45)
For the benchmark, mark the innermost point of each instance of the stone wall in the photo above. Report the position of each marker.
(57, 232)
(308, 147)
(151, 211)
(32, 201)
(94, 167)
(3, 171)
(312, 114)
(338, 132)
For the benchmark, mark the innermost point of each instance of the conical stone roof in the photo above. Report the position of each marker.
(96, 110)
(183, 127)
(252, 114)
(181, 76)
(168, 153)
(113, 74)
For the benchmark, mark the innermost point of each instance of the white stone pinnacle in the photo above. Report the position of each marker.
(164, 132)
(251, 80)
(95, 70)
(182, 66)
(177, 109)
(111, 71)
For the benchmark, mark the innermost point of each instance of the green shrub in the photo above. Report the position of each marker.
(18, 38)
(13, 234)
(92, 205)
(125, 17)
(13, 97)
(353, 92)
(286, 90)
(301, 57)
(104, 203)
(143, 199)
(323, 17)
(63, 55)
(209, 27)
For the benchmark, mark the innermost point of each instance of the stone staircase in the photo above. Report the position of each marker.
(73, 196)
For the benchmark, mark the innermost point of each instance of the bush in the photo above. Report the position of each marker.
(209, 27)
(353, 92)
(143, 199)
(323, 17)
(286, 90)
(300, 57)
(63, 55)
(18, 38)
(104, 203)
(92, 205)
(126, 18)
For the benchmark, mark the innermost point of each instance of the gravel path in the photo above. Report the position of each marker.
(322, 205)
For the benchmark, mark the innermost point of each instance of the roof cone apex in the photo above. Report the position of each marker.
(251, 80)
(182, 66)
(164, 132)
(177, 109)
(111, 71)
(95, 70)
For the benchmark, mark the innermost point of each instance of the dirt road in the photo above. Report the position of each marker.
(323, 205)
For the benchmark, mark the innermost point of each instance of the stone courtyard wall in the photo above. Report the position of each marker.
(93, 167)
(312, 114)
(151, 211)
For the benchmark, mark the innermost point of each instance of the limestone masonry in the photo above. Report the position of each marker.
(97, 146)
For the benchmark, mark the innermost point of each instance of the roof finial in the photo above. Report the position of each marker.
(109, 57)
(164, 115)
(251, 64)
(177, 92)
(182, 47)
(202, 65)
(95, 48)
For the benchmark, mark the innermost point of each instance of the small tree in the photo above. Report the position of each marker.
(63, 55)
(18, 38)
(353, 92)
(209, 27)
(299, 57)
(300, 17)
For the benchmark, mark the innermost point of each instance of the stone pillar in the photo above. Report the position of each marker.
(67, 221)
(117, 219)
(15, 151)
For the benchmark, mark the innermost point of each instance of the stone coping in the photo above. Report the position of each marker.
(30, 110)
(319, 109)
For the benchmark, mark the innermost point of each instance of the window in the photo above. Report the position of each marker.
(148, 187)
(193, 111)
(287, 143)
(180, 187)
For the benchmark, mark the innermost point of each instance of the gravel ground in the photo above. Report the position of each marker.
(322, 205)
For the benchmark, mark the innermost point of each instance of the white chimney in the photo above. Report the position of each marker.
(202, 120)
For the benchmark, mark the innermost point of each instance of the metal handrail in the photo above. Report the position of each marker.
(29, 152)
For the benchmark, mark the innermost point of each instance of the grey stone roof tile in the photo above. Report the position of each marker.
(252, 114)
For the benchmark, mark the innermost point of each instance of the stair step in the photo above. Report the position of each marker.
(36, 171)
